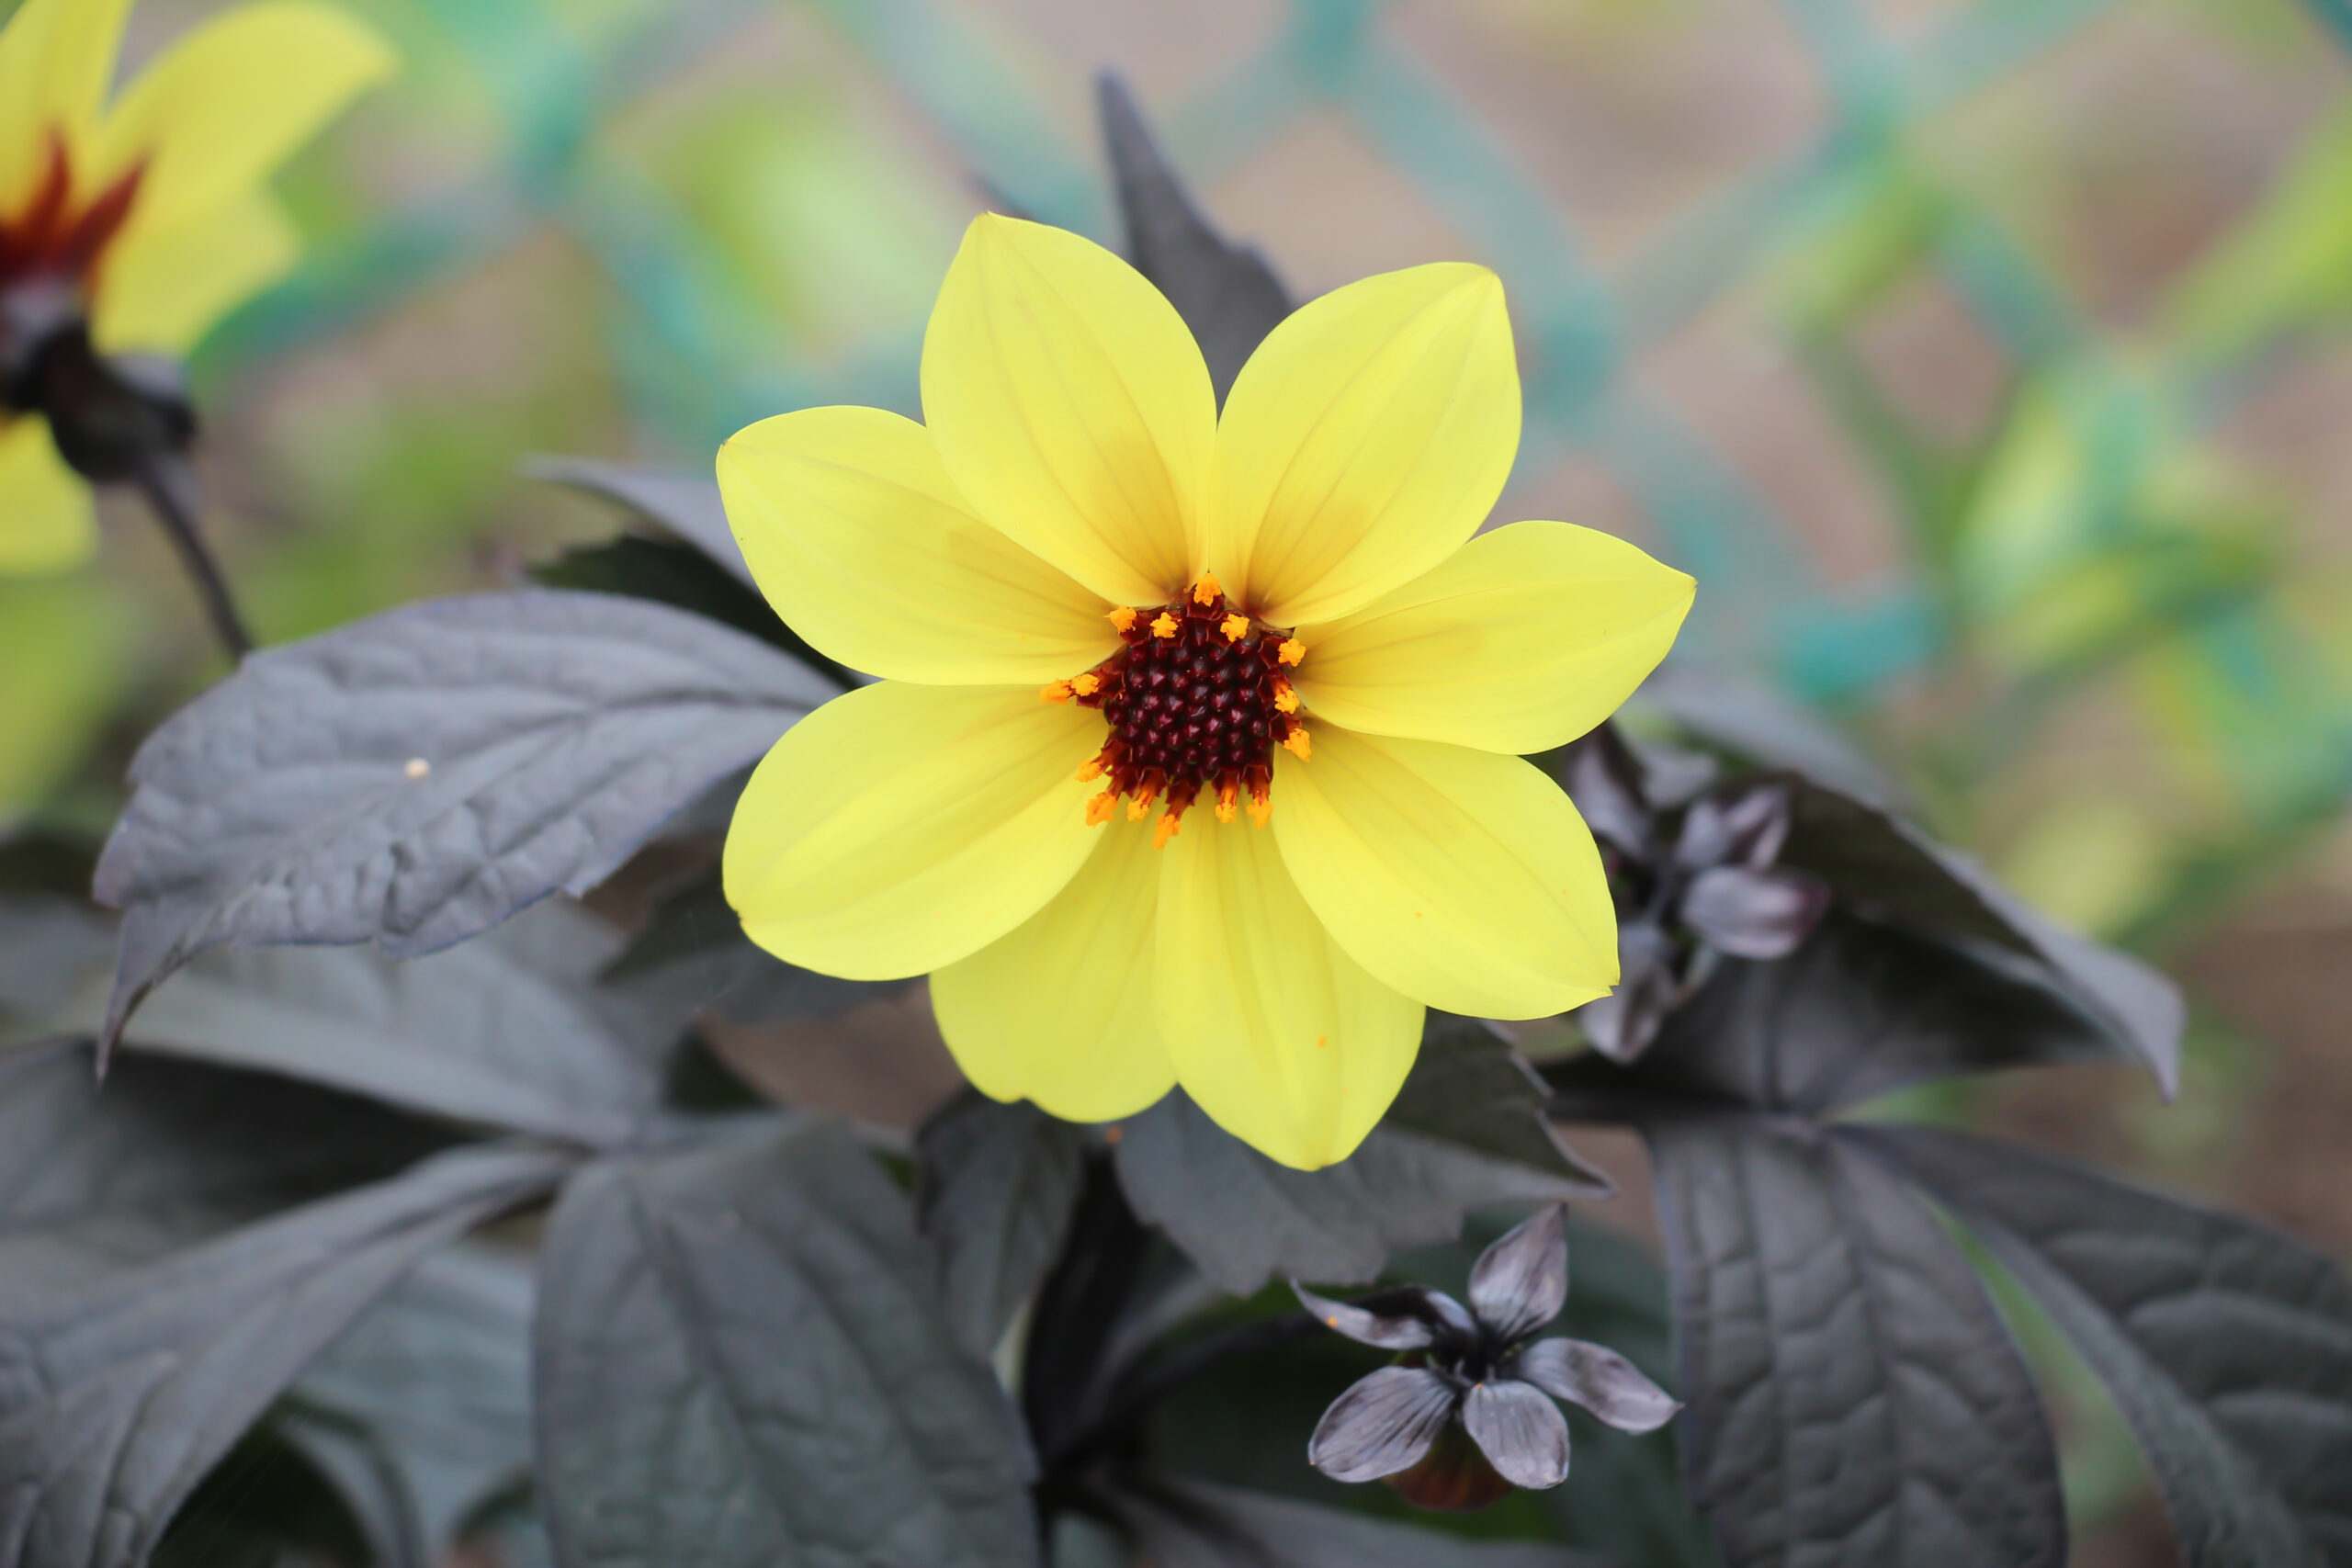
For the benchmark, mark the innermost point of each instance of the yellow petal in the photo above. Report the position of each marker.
(1071, 407)
(856, 536)
(236, 97)
(1275, 1032)
(1464, 879)
(1524, 639)
(47, 522)
(1365, 439)
(1061, 1011)
(56, 58)
(162, 289)
(901, 827)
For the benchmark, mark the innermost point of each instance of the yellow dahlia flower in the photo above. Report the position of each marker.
(1195, 758)
(147, 212)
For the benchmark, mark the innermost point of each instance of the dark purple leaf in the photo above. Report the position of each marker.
(1859, 1011)
(1466, 1133)
(1189, 1524)
(687, 505)
(1853, 1395)
(502, 1032)
(94, 1178)
(414, 778)
(117, 1394)
(1383, 1423)
(1521, 1282)
(741, 1360)
(1754, 914)
(1884, 867)
(1599, 1379)
(2227, 1345)
(1758, 721)
(1521, 1432)
(691, 956)
(997, 1185)
(422, 1413)
(1225, 293)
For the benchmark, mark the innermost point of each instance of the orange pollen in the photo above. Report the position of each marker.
(1291, 651)
(1196, 702)
(1056, 692)
(1122, 619)
(1090, 770)
(1296, 743)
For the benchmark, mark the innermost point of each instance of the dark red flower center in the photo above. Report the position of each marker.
(1197, 700)
(51, 248)
(54, 235)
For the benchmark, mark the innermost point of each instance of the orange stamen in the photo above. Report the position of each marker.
(1285, 696)
(1205, 591)
(1297, 744)
(1056, 692)
(1086, 685)
(1091, 770)
(1261, 807)
(1235, 627)
(1122, 618)
(1164, 831)
(1226, 795)
(1098, 809)
(1146, 790)
(1291, 651)
(1165, 626)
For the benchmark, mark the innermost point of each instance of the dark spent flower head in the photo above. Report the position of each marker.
(1710, 887)
(1466, 1412)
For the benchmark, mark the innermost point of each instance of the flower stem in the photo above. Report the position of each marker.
(170, 490)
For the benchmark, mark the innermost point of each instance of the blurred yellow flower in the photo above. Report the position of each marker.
(1270, 636)
(144, 215)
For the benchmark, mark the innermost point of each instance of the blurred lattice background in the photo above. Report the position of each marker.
(1985, 359)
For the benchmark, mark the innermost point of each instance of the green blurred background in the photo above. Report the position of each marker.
(1985, 359)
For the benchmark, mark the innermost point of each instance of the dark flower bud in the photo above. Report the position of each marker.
(1694, 872)
(116, 419)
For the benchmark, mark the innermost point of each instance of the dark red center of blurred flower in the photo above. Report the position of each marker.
(55, 235)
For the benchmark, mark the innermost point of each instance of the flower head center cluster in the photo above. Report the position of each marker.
(1196, 700)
